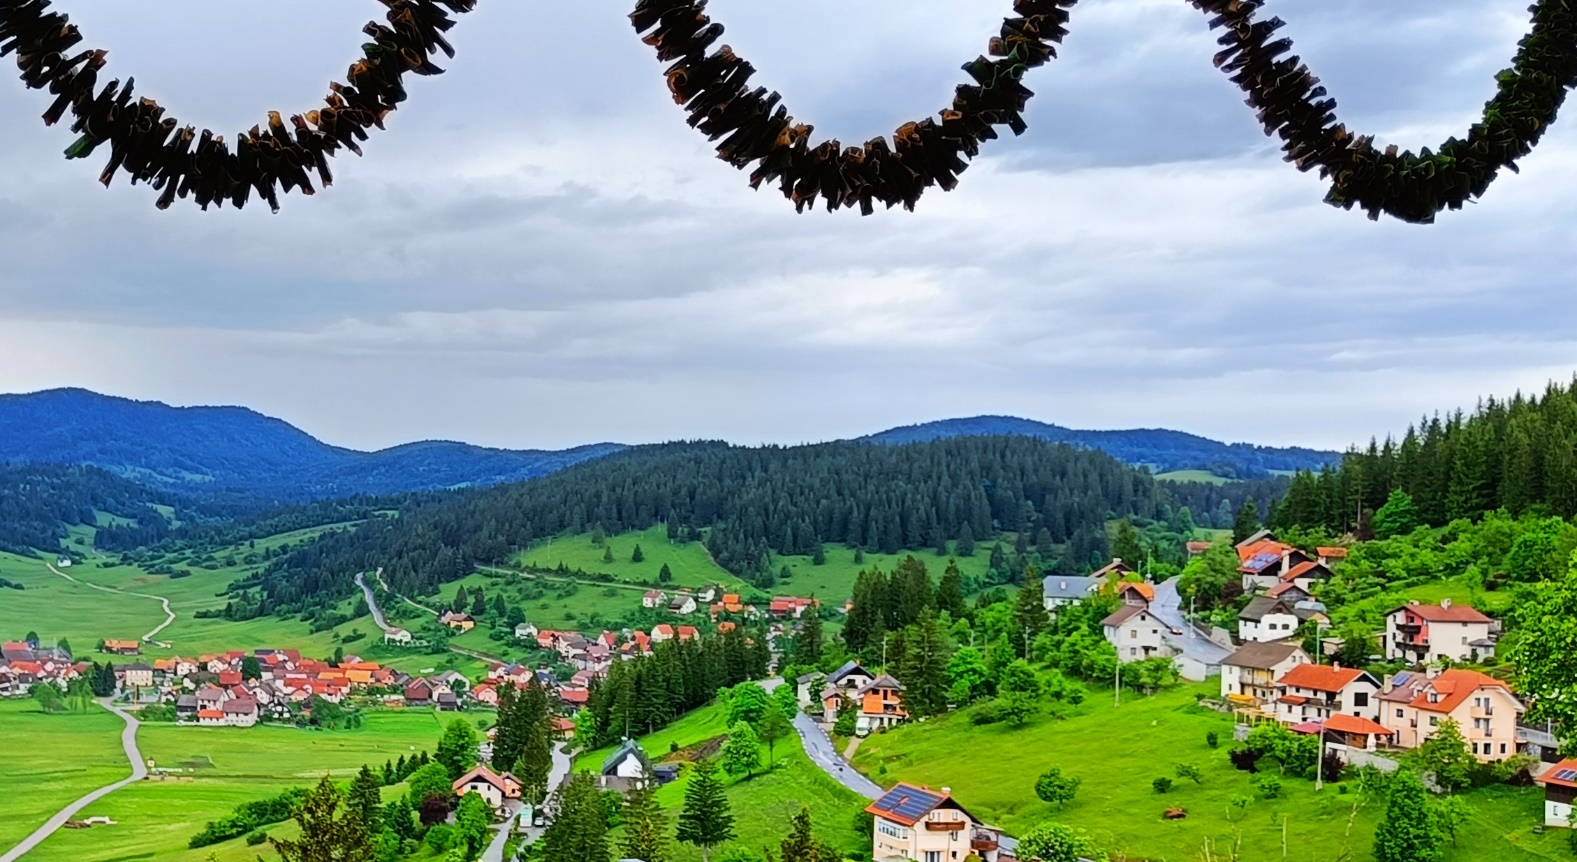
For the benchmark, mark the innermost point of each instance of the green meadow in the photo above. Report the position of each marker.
(1117, 751)
(50, 760)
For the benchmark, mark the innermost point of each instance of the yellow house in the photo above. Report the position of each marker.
(918, 824)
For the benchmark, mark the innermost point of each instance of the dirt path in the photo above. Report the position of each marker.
(139, 771)
(147, 638)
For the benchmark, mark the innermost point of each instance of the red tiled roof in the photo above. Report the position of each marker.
(1299, 570)
(1453, 687)
(1332, 553)
(574, 695)
(1319, 677)
(1568, 766)
(1454, 614)
(210, 713)
(1146, 591)
(1342, 723)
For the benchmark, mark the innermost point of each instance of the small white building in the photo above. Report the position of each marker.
(526, 632)
(397, 637)
(1136, 633)
(1265, 619)
(1560, 792)
(682, 605)
(1421, 634)
(654, 599)
(494, 788)
(1059, 590)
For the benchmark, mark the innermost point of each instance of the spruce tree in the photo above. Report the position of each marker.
(637, 556)
(1247, 521)
(579, 831)
(966, 541)
(950, 592)
(807, 644)
(327, 831)
(924, 669)
(707, 819)
(1029, 613)
(819, 557)
(400, 818)
(535, 766)
(366, 799)
(801, 843)
(645, 824)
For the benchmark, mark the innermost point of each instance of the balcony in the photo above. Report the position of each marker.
(984, 842)
(1483, 711)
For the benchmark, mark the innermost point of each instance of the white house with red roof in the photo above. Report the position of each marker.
(912, 822)
(1315, 692)
(662, 632)
(1419, 633)
(1560, 793)
(494, 788)
(654, 599)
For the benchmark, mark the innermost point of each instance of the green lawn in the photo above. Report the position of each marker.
(156, 818)
(56, 758)
(762, 805)
(1118, 751)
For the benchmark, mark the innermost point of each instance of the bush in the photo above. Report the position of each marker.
(1244, 758)
(1213, 739)
(1333, 767)
(440, 837)
(985, 712)
(1268, 785)
(1162, 785)
(255, 838)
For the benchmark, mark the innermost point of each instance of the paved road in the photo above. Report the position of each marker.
(169, 615)
(1167, 607)
(529, 835)
(372, 601)
(139, 771)
(825, 755)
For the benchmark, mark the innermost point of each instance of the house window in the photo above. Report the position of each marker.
(1434, 721)
(1360, 698)
(1133, 650)
(1503, 748)
(933, 856)
(1398, 712)
(889, 829)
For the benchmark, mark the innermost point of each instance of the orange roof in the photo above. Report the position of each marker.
(725, 626)
(1453, 614)
(211, 713)
(112, 644)
(663, 629)
(1333, 553)
(1319, 677)
(1342, 723)
(1567, 766)
(687, 632)
(1147, 591)
(1300, 570)
(1263, 546)
(1454, 687)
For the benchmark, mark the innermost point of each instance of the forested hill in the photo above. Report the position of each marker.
(38, 502)
(1518, 454)
(233, 450)
(755, 503)
(1161, 449)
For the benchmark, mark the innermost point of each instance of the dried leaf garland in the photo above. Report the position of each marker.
(1412, 187)
(180, 162)
(756, 128)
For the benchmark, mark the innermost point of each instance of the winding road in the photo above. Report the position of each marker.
(147, 638)
(139, 771)
(1167, 608)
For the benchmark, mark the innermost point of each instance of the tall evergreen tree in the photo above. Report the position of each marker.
(1029, 613)
(924, 670)
(801, 844)
(808, 643)
(329, 832)
(579, 828)
(366, 799)
(645, 824)
(707, 819)
(1247, 521)
(950, 592)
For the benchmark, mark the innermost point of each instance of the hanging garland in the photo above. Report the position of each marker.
(757, 129)
(1412, 187)
(1284, 93)
(179, 161)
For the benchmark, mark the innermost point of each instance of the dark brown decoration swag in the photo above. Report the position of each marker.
(755, 128)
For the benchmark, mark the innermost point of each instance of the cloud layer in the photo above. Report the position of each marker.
(576, 266)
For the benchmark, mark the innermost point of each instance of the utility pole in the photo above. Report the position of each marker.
(1117, 686)
(1319, 764)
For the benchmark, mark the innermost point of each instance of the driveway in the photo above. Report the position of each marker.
(529, 835)
(139, 771)
(1167, 608)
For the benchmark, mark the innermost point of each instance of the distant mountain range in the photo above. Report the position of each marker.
(1162, 450)
(234, 449)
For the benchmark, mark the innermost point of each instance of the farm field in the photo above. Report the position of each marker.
(763, 805)
(57, 758)
(156, 819)
(1118, 751)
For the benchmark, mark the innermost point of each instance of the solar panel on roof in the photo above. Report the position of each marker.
(1566, 775)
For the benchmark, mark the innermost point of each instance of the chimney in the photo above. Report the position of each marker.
(1336, 665)
(1445, 603)
(947, 791)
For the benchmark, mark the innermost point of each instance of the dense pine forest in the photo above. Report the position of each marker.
(750, 504)
(39, 501)
(1519, 454)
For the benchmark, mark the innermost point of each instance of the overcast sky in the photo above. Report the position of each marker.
(540, 253)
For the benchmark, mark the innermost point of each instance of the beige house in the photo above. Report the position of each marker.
(1420, 634)
(1483, 707)
(1315, 692)
(137, 676)
(495, 789)
(1248, 676)
(918, 824)
(1136, 633)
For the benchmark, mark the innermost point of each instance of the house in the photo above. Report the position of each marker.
(138, 676)
(1136, 593)
(563, 728)
(1248, 676)
(446, 700)
(918, 823)
(1265, 562)
(1330, 556)
(485, 693)
(625, 768)
(63, 562)
(525, 632)
(682, 605)
(397, 637)
(494, 788)
(1483, 707)
(1418, 633)
(1305, 574)
(211, 697)
(574, 698)
(726, 626)
(1059, 590)
(1356, 732)
(842, 684)
(688, 633)
(1560, 793)
(783, 607)
(240, 712)
(1136, 633)
(881, 705)
(1266, 619)
(1114, 569)
(1315, 692)
(462, 622)
(418, 692)
(731, 603)
(186, 706)
(662, 632)
(806, 685)
(114, 647)
(1196, 549)
(653, 599)
(1290, 593)
(211, 717)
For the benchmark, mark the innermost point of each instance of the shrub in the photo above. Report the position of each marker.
(1161, 785)
(1268, 785)
(255, 838)
(1244, 758)
(1213, 739)
(440, 836)
(985, 712)
(1333, 767)
(1188, 771)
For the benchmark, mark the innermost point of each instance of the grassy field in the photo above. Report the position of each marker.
(156, 818)
(56, 758)
(1204, 476)
(762, 805)
(1118, 751)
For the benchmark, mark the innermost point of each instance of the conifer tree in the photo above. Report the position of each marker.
(329, 832)
(1247, 521)
(950, 592)
(579, 828)
(807, 644)
(923, 671)
(645, 824)
(801, 843)
(707, 819)
(366, 799)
